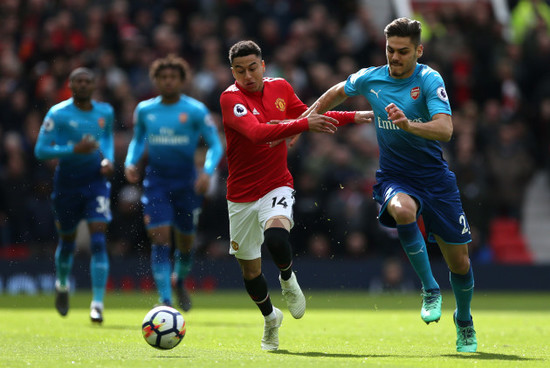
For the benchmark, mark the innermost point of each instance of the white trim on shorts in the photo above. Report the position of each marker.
(247, 221)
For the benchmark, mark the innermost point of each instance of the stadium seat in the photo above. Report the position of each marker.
(507, 242)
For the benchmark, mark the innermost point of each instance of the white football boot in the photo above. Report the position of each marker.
(270, 340)
(293, 296)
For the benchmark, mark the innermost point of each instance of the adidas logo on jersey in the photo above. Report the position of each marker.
(255, 112)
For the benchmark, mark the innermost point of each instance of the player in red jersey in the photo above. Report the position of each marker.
(257, 111)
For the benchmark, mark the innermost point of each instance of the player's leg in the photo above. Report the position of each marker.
(276, 241)
(158, 217)
(98, 215)
(183, 262)
(64, 255)
(276, 213)
(256, 286)
(462, 281)
(187, 208)
(403, 208)
(160, 261)
(246, 234)
(67, 207)
(99, 269)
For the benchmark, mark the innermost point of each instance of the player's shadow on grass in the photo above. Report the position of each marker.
(489, 356)
(313, 354)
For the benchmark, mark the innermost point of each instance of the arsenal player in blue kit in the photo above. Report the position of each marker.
(412, 114)
(79, 133)
(170, 127)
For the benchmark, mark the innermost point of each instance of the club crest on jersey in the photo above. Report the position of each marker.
(415, 92)
(280, 104)
(234, 245)
(239, 110)
(442, 94)
(101, 122)
(183, 117)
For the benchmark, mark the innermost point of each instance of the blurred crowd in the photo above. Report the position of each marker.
(497, 77)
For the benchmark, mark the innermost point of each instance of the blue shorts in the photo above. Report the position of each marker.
(169, 203)
(73, 203)
(439, 201)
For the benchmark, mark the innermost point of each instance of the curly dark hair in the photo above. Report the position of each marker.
(169, 62)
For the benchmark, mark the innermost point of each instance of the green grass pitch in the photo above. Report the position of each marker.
(339, 329)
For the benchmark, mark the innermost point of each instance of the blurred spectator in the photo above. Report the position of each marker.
(510, 167)
(392, 279)
(319, 246)
(527, 15)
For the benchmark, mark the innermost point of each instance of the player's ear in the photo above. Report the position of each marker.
(263, 66)
(419, 51)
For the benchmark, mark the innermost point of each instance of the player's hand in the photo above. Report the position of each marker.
(293, 140)
(363, 117)
(86, 145)
(202, 183)
(107, 168)
(278, 141)
(132, 174)
(290, 140)
(321, 124)
(311, 110)
(397, 116)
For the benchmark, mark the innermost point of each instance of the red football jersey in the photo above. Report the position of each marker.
(255, 168)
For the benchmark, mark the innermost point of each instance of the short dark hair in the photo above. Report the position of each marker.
(169, 62)
(81, 70)
(244, 48)
(404, 27)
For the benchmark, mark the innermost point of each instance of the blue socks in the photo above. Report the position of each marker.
(160, 265)
(183, 262)
(99, 266)
(64, 254)
(413, 243)
(463, 288)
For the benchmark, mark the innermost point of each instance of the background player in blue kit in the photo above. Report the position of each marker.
(170, 125)
(412, 113)
(79, 132)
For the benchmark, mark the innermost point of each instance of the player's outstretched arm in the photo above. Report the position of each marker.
(363, 117)
(333, 97)
(326, 124)
(322, 124)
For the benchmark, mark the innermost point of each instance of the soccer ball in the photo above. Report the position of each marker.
(163, 327)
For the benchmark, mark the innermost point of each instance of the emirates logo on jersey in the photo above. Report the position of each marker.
(280, 104)
(183, 117)
(415, 92)
(101, 122)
